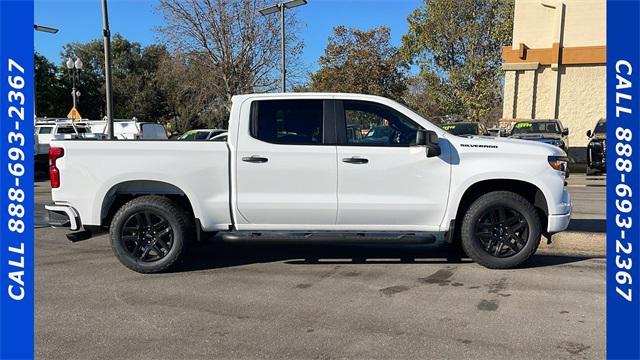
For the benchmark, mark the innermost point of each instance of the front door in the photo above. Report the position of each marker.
(286, 167)
(385, 182)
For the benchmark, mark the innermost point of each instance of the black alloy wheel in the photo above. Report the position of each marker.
(147, 236)
(502, 231)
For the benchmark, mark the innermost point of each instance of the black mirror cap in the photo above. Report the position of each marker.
(588, 133)
(433, 150)
(432, 137)
(565, 132)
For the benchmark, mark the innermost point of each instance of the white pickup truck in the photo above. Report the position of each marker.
(308, 167)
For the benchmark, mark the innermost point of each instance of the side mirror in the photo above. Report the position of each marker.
(565, 132)
(588, 133)
(433, 146)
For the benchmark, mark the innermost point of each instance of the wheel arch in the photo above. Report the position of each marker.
(528, 190)
(125, 191)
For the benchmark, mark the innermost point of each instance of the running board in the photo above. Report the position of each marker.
(348, 237)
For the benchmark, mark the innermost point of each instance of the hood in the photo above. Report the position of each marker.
(504, 146)
(599, 136)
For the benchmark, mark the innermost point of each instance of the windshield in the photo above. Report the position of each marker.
(69, 130)
(541, 127)
(601, 128)
(461, 129)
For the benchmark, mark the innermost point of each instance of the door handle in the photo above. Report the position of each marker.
(355, 160)
(255, 159)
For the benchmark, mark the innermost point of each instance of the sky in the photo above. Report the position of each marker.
(81, 21)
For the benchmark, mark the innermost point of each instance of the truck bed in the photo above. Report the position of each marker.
(91, 171)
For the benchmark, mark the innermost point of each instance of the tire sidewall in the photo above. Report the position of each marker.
(135, 264)
(472, 245)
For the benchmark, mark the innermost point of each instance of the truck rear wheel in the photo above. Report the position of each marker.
(149, 234)
(500, 230)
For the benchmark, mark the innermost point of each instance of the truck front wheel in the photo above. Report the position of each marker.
(149, 234)
(500, 230)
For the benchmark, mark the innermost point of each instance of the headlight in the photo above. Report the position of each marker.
(559, 163)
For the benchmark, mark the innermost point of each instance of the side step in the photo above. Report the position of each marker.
(348, 237)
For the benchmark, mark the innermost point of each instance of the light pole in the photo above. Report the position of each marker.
(106, 33)
(74, 67)
(280, 7)
(45, 29)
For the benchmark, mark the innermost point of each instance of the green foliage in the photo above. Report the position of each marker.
(50, 92)
(457, 44)
(361, 62)
(136, 90)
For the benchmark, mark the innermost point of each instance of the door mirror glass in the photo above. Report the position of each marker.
(565, 132)
(588, 133)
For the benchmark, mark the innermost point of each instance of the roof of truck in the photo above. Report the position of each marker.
(324, 95)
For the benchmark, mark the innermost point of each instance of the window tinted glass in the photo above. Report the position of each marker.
(542, 127)
(601, 128)
(70, 130)
(293, 122)
(45, 130)
(461, 129)
(202, 135)
(374, 124)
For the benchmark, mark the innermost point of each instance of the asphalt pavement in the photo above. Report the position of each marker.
(325, 302)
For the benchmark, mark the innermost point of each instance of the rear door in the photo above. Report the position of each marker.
(385, 181)
(286, 166)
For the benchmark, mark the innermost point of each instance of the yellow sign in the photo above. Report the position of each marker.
(74, 114)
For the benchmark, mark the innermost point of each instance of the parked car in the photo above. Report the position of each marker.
(289, 172)
(597, 148)
(130, 129)
(545, 131)
(220, 137)
(201, 134)
(495, 131)
(466, 128)
(47, 130)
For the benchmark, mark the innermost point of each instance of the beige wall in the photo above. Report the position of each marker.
(584, 23)
(574, 94)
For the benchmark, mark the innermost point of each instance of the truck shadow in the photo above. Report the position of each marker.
(214, 255)
(588, 225)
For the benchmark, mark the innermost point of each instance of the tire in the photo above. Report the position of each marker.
(151, 224)
(492, 243)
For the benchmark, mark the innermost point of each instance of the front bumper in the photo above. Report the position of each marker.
(63, 216)
(560, 222)
(557, 223)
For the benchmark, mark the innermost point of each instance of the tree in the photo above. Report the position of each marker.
(361, 62)
(49, 88)
(136, 90)
(236, 51)
(457, 44)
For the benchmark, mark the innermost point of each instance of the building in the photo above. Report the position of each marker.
(555, 68)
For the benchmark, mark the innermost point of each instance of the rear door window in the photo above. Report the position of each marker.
(288, 122)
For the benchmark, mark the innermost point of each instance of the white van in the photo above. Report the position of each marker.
(129, 129)
(47, 130)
